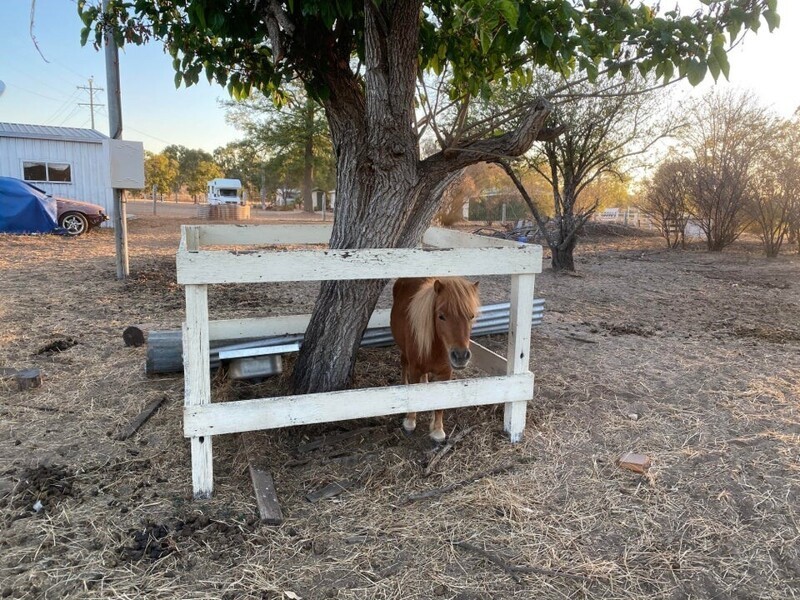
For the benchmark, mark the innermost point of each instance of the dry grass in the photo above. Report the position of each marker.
(701, 348)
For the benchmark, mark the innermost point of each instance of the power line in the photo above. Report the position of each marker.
(61, 110)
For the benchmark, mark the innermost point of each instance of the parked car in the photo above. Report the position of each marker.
(73, 216)
(78, 217)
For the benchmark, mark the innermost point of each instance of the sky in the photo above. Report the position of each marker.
(43, 88)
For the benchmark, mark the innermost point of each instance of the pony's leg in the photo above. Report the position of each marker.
(410, 422)
(437, 422)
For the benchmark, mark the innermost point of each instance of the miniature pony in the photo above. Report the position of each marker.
(431, 321)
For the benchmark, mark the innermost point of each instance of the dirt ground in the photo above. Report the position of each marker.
(688, 357)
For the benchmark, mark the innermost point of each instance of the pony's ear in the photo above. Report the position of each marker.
(437, 286)
(475, 285)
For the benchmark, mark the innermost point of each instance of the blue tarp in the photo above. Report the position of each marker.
(25, 208)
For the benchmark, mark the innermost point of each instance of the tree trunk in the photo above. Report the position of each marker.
(562, 255)
(386, 196)
(308, 158)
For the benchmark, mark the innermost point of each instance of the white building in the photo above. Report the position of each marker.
(64, 161)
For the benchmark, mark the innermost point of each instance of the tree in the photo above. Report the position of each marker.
(160, 171)
(200, 175)
(189, 160)
(667, 197)
(242, 160)
(361, 61)
(292, 136)
(726, 133)
(775, 187)
(602, 129)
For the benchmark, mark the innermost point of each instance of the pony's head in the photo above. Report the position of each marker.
(455, 308)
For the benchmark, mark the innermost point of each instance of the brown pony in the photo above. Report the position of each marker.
(431, 322)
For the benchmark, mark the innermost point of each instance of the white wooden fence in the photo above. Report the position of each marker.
(451, 253)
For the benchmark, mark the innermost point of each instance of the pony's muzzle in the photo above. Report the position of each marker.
(460, 358)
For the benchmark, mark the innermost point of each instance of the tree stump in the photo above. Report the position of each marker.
(28, 379)
(133, 336)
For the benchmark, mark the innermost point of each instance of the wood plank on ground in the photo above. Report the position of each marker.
(140, 419)
(269, 509)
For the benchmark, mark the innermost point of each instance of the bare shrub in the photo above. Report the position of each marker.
(666, 199)
(726, 134)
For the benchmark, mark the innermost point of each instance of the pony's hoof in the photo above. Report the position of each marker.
(438, 435)
(409, 426)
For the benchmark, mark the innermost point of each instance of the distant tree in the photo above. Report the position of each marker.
(726, 133)
(774, 195)
(667, 199)
(293, 137)
(160, 171)
(603, 128)
(189, 160)
(793, 137)
(241, 160)
(203, 172)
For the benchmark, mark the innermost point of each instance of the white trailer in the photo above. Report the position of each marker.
(224, 191)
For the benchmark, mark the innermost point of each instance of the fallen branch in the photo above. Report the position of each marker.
(459, 484)
(330, 490)
(329, 440)
(580, 338)
(140, 419)
(446, 448)
(514, 570)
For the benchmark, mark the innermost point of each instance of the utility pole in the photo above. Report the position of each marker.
(91, 104)
(115, 132)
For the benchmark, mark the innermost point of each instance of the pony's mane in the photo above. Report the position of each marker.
(459, 297)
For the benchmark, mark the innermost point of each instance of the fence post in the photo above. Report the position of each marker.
(519, 349)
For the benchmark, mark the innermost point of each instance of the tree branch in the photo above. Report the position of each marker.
(540, 220)
(509, 145)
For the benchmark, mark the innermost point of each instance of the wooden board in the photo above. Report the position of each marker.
(263, 235)
(269, 413)
(207, 267)
(269, 509)
(450, 238)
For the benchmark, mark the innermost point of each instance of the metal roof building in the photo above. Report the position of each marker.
(68, 162)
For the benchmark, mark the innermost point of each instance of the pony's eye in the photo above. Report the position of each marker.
(442, 317)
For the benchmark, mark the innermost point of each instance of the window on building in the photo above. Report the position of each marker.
(44, 171)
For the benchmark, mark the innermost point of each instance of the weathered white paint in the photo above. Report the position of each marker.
(449, 238)
(519, 348)
(284, 411)
(197, 382)
(475, 256)
(251, 235)
(325, 265)
(91, 181)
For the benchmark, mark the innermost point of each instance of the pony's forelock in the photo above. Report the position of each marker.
(459, 296)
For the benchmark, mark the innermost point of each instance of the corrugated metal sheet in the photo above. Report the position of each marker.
(45, 132)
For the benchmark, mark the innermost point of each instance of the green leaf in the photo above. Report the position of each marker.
(546, 33)
(772, 18)
(713, 66)
(178, 79)
(669, 71)
(696, 71)
(721, 57)
(486, 41)
(510, 12)
(591, 72)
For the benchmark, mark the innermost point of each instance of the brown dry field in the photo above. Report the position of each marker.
(704, 350)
